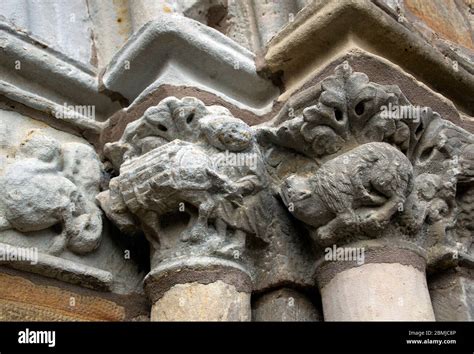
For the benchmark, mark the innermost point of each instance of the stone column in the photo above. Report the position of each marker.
(385, 284)
(201, 289)
(284, 305)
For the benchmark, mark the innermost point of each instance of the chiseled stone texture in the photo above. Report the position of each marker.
(172, 155)
(284, 305)
(102, 265)
(23, 300)
(452, 295)
(91, 31)
(216, 301)
(39, 77)
(378, 292)
(399, 177)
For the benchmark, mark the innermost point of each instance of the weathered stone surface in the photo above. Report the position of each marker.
(251, 23)
(115, 126)
(383, 72)
(347, 110)
(202, 169)
(64, 26)
(47, 186)
(440, 17)
(342, 163)
(378, 292)
(329, 199)
(216, 60)
(43, 184)
(323, 30)
(202, 302)
(284, 305)
(335, 142)
(452, 296)
(360, 152)
(49, 181)
(92, 31)
(182, 147)
(199, 289)
(40, 77)
(22, 300)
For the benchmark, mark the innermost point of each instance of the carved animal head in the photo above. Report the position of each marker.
(227, 133)
(86, 234)
(178, 118)
(39, 146)
(368, 176)
(298, 195)
(172, 119)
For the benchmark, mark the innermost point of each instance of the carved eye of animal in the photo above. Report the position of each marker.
(185, 115)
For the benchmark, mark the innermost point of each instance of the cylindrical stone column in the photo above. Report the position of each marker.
(284, 305)
(201, 289)
(389, 285)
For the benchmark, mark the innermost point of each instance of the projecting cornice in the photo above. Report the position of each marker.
(29, 66)
(40, 82)
(181, 52)
(323, 30)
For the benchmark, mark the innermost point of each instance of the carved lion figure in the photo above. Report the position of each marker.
(355, 193)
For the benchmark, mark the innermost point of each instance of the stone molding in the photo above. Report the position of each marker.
(322, 29)
(160, 54)
(28, 65)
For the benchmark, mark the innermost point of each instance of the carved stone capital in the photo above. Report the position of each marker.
(193, 176)
(357, 161)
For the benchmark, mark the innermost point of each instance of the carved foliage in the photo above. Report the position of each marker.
(375, 173)
(344, 163)
(346, 113)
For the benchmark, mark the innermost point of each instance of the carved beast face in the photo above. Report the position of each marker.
(227, 133)
(296, 193)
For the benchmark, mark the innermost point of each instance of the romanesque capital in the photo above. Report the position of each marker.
(357, 161)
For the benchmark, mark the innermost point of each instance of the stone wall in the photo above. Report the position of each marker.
(236, 160)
